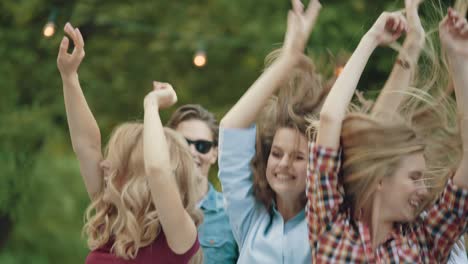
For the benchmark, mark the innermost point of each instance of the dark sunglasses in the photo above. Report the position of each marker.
(202, 146)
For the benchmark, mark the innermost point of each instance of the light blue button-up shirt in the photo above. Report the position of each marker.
(263, 237)
(215, 233)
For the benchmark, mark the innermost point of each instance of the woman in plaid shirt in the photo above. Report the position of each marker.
(368, 211)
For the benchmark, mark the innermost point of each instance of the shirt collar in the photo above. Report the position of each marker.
(298, 217)
(213, 201)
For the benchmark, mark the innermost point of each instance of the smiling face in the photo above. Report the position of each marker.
(404, 193)
(286, 170)
(196, 130)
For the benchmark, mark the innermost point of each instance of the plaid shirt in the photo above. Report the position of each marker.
(336, 238)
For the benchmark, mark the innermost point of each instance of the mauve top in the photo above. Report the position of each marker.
(157, 252)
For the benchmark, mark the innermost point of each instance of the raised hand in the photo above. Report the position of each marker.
(453, 33)
(400, 78)
(162, 96)
(300, 24)
(388, 27)
(69, 63)
(415, 29)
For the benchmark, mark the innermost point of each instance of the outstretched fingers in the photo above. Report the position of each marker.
(77, 39)
(297, 6)
(293, 22)
(63, 47)
(312, 12)
(70, 32)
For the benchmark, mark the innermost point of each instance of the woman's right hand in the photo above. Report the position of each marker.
(68, 63)
(388, 28)
(162, 96)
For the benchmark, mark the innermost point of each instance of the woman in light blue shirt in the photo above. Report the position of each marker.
(266, 201)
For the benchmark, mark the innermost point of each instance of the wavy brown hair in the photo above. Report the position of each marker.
(123, 212)
(301, 96)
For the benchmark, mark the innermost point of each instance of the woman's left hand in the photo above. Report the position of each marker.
(300, 24)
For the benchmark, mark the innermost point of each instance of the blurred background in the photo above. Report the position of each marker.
(211, 51)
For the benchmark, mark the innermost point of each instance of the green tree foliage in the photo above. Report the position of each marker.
(129, 44)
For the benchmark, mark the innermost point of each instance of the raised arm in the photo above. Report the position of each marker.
(84, 131)
(453, 32)
(403, 70)
(300, 24)
(176, 223)
(387, 28)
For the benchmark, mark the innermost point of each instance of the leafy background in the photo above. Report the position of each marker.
(129, 44)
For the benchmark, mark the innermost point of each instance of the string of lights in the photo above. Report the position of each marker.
(200, 57)
(49, 29)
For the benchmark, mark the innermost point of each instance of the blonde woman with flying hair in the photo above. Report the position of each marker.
(367, 183)
(144, 190)
(263, 172)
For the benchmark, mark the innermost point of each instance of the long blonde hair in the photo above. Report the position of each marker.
(425, 122)
(372, 150)
(123, 212)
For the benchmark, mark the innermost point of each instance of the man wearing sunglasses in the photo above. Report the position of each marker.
(200, 129)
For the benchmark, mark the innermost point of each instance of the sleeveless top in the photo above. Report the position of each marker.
(157, 252)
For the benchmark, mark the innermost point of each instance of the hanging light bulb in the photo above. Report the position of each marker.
(200, 58)
(49, 28)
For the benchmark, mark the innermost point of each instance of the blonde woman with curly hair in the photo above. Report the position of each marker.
(144, 190)
(367, 183)
(263, 168)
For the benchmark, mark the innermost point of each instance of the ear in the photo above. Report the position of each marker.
(214, 155)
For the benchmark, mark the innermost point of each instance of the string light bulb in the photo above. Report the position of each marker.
(49, 28)
(199, 59)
